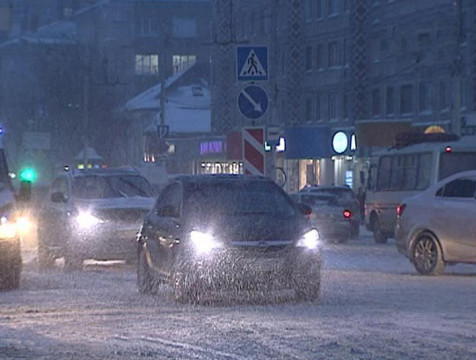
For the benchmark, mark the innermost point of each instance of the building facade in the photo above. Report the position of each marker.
(354, 73)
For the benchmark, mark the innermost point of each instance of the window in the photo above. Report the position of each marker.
(375, 102)
(333, 54)
(149, 26)
(147, 64)
(332, 107)
(318, 108)
(443, 96)
(169, 201)
(308, 109)
(308, 58)
(345, 60)
(181, 62)
(319, 9)
(459, 188)
(454, 162)
(332, 7)
(390, 101)
(308, 10)
(319, 57)
(425, 97)
(406, 99)
(404, 172)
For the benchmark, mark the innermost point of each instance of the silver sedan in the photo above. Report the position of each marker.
(437, 227)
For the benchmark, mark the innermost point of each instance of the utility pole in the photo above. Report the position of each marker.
(457, 70)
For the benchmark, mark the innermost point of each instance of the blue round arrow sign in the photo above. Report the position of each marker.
(253, 102)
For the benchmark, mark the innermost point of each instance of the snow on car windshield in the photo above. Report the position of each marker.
(102, 187)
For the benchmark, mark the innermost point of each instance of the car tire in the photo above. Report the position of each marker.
(307, 284)
(379, 235)
(46, 260)
(145, 279)
(427, 257)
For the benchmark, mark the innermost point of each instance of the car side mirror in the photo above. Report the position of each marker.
(58, 197)
(304, 209)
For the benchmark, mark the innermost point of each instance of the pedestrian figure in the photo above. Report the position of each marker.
(252, 69)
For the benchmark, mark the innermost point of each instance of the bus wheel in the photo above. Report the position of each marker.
(379, 235)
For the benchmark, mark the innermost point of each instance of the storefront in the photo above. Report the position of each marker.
(213, 158)
(318, 155)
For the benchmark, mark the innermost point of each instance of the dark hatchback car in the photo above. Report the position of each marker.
(227, 232)
(93, 214)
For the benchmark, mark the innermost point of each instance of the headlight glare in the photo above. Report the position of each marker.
(309, 240)
(8, 229)
(204, 243)
(86, 220)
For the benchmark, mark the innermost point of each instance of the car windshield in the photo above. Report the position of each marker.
(103, 187)
(253, 198)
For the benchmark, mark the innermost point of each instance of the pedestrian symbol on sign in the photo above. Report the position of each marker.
(252, 63)
(253, 66)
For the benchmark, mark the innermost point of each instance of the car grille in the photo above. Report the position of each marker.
(121, 215)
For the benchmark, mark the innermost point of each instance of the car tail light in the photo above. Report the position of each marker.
(347, 214)
(400, 209)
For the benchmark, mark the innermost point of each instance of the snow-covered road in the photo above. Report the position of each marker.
(374, 306)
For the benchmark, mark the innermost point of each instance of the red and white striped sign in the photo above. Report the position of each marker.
(253, 151)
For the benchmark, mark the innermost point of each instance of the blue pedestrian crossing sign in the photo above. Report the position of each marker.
(253, 102)
(252, 63)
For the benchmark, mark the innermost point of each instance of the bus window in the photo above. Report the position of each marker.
(455, 162)
(424, 168)
(384, 171)
(396, 173)
(410, 171)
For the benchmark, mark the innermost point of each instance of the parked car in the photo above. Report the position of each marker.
(437, 227)
(335, 211)
(93, 214)
(227, 232)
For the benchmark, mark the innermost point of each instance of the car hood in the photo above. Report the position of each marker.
(247, 228)
(137, 202)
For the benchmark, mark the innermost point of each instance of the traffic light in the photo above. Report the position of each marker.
(28, 174)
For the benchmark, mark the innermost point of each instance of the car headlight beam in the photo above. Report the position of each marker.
(203, 243)
(86, 220)
(309, 240)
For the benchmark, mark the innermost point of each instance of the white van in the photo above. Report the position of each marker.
(402, 172)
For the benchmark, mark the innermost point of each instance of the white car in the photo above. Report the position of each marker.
(438, 226)
(93, 214)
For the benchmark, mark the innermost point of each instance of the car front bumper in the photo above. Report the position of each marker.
(105, 242)
(238, 269)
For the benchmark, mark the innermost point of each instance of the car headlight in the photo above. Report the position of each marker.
(309, 240)
(23, 224)
(8, 229)
(86, 220)
(203, 243)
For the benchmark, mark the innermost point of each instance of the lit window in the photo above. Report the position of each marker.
(333, 55)
(147, 64)
(181, 62)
